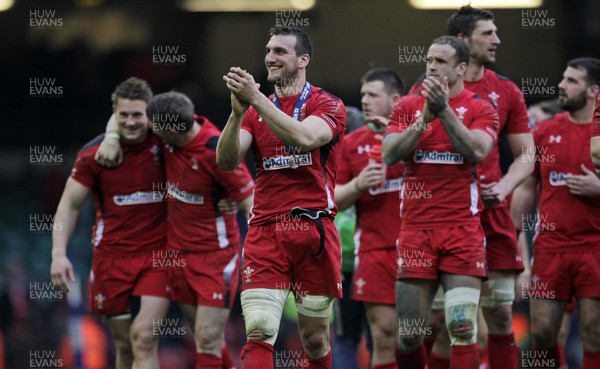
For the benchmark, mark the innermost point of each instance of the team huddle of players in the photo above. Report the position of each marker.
(436, 232)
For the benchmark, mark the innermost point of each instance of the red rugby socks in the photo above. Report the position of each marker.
(208, 361)
(412, 360)
(464, 357)
(257, 355)
(438, 362)
(227, 360)
(503, 352)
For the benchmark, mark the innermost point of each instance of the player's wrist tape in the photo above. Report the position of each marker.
(112, 134)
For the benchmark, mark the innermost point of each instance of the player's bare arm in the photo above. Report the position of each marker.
(109, 153)
(233, 142)
(595, 152)
(312, 133)
(398, 146)
(73, 197)
(348, 193)
(523, 151)
(473, 145)
(523, 200)
(522, 203)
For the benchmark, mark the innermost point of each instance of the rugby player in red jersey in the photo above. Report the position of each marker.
(130, 228)
(440, 136)
(476, 28)
(566, 258)
(205, 241)
(292, 243)
(363, 180)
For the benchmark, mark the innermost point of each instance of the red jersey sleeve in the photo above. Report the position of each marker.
(238, 183)
(518, 120)
(486, 119)
(85, 170)
(344, 174)
(596, 118)
(332, 111)
(398, 123)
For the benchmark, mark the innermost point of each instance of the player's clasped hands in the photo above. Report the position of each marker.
(242, 84)
(436, 93)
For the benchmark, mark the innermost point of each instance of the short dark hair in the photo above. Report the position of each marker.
(132, 88)
(462, 50)
(591, 66)
(463, 21)
(391, 80)
(171, 112)
(303, 43)
(354, 119)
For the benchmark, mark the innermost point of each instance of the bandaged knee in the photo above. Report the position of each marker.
(262, 308)
(314, 306)
(461, 311)
(502, 292)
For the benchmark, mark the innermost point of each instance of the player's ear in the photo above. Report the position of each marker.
(593, 91)
(304, 60)
(396, 97)
(462, 68)
(461, 36)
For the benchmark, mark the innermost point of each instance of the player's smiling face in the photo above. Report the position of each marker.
(441, 62)
(281, 60)
(132, 119)
(483, 42)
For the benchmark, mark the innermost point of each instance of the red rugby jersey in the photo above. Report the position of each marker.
(195, 185)
(566, 222)
(442, 188)
(377, 209)
(130, 208)
(286, 179)
(512, 113)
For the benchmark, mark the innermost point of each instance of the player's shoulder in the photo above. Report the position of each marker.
(476, 100)
(321, 93)
(551, 125)
(330, 107)
(210, 134)
(322, 97)
(409, 100)
(417, 85)
(92, 146)
(501, 80)
(471, 97)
